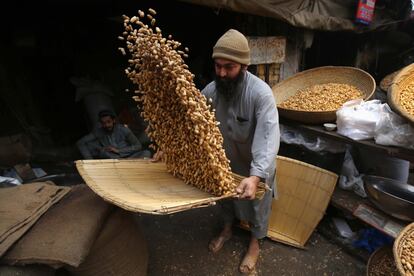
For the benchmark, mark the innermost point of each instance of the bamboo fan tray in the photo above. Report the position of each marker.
(144, 186)
(401, 81)
(321, 75)
(404, 245)
(304, 192)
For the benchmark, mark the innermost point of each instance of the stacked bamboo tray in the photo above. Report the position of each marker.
(404, 251)
(403, 81)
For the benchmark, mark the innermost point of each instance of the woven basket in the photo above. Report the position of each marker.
(399, 243)
(143, 186)
(387, 81)
(304, 192)
(329, 74)
(404, 78)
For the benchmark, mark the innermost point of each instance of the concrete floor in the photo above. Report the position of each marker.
(178, 246)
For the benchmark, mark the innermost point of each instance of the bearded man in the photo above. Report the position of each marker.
(249, 123)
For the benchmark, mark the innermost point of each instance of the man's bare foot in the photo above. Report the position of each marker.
(250, 259)
(217, 243)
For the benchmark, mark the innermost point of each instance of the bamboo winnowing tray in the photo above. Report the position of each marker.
(143, 186)
(304, 192)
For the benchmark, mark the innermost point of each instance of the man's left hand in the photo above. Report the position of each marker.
(247, 187)
(112, 149)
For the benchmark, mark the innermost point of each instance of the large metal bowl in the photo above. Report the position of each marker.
(391, 196)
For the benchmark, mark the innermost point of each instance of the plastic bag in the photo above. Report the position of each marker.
(357, 119)
(371, 239)
(9, 180)
(289, 135)
(350, 179)
(361, 120)
(393, 130)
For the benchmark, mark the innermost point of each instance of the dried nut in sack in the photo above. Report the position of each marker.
(407, 98)
(383, 265)
(180, 121)
(322, 97)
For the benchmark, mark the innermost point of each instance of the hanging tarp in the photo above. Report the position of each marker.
(328, 15)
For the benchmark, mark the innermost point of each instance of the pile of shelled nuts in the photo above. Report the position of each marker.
(322, 97)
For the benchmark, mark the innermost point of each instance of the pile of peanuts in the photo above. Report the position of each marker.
(322, 97)
(407, 254)
(407, 98)
(383, 265)
(181, 122)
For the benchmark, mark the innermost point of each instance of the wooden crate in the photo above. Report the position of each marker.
(269, 73)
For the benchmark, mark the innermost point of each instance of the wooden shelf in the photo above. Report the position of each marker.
(316, 130)
(364, 210)
(348, 201)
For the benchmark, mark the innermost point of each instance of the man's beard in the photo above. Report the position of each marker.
(108, 130)
(229, 87)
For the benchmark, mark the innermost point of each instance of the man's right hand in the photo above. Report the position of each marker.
(157, 156)
(247, 187)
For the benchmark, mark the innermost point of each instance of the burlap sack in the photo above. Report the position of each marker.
(120, 249)
(65, 234)
(22, 206)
